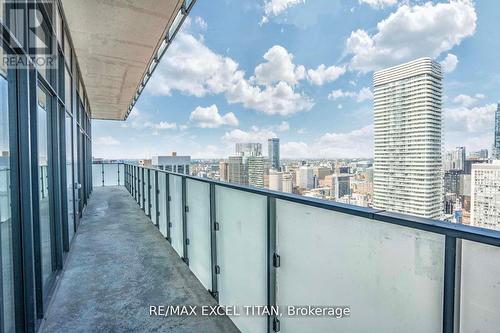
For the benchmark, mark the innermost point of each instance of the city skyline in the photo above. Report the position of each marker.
(328, 111)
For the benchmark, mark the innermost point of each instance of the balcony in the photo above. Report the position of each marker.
(193, 241)
(119, 266)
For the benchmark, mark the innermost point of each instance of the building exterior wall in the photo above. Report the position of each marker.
(408, 139)
(485, 195)
(496, 145)
(179, 164)
(235, 170)
(273, 152)
(256, 171)
(275, 180)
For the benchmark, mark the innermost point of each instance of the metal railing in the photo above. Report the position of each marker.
(254, 247)
(108, 174)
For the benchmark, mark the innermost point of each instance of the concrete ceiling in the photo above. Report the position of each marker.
(114, 42)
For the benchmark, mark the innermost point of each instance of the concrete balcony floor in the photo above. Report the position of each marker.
(118, 266)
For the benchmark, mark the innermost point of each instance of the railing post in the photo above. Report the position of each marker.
(184, 222)
(157, 206)
(118, 168)
(273, 262)
(450, 255)
(149, 193)
(102, 173)
(214, 227)
(167, 209)
(143, 197)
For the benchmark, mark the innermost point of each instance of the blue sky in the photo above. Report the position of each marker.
(301, 70)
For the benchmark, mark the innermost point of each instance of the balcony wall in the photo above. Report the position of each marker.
(255, 247)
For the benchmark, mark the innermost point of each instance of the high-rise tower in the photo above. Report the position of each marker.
(496, 152)
(273, 151)
(408, 175)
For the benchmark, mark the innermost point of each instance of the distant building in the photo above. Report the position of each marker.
(305, 177)
(145, 162)
(275, 180)
(485, 195)
(452, 181)
(408, 161)
(469, 162)
(342, 186)
(223, 176)
(465, 191)
(255, 166)
(480, 154)
(273, 152)
(248, 149)
(173, 163)
(455, 159)
(236, 170)
(287, 185)
(321, 172)
(496, 145)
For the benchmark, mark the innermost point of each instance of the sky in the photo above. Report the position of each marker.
(301, 70)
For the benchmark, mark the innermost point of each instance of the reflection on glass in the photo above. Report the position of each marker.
(67, 89)
(43, 169)
(69, 175)
(5, 209)
(43, 41)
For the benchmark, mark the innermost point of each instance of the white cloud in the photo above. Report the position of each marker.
(339, 106)
(466, 119)
(379, 4)
(322, 74)
(301, 131)
(162, 125)
(355, 143)
(469, 126)
(411, 32)
(193, 69)
(364, 94)
(106, 141)
(466, 100)
(209, 117)
(255, 134)
(294, 149)
(139, 120)
(279, 67)
(360, 96)
(277, 7)
(283, 127)
(201, 22)
(280, 99)
(449, 63)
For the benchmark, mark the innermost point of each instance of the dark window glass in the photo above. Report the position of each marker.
(7, 276)
(69, 174)
(44, 168)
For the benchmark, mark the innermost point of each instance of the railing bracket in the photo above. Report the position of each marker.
(276, 260)
(276, 325)
(217, 269)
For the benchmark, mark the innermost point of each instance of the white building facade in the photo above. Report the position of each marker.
(174, 163)
(408, 176)
(485, 195)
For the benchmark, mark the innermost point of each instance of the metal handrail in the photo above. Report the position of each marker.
(471, 233)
